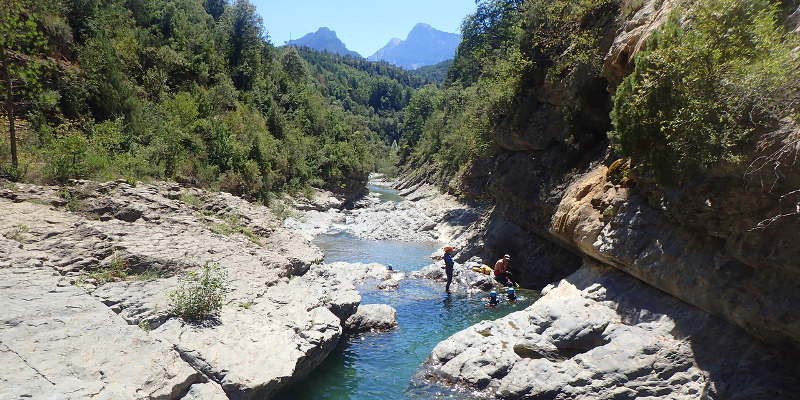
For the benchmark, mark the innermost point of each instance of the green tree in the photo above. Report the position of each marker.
(247, 45)
(21, 43)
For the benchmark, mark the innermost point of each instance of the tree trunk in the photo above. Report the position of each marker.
(10, 112)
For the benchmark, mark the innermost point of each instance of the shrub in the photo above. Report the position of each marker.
(66, 158)
(191, 200)
(704, 91)
(200, 294)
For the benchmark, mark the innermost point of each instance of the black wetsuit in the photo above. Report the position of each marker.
(448, 270)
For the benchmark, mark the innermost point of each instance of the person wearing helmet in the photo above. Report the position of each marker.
(502, 273)
(493, 300)
(448, 266)
(511, 295)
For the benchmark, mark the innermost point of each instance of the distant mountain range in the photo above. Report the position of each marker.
(324, 39)
(424, 46)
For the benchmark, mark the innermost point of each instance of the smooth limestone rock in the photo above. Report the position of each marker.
(619, 227)
(256, 352)
(389, 284)
(464, 279)
(601, 334)
(632, 37)
(61, 343)
(205, 391)
(68, 331)
(372, 317)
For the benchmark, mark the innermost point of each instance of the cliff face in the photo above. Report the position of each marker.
(725, 242)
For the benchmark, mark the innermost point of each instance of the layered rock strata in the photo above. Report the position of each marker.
(87, 270)
(601, 334)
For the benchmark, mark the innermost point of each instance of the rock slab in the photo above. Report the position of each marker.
(372, 317)
(601, 334)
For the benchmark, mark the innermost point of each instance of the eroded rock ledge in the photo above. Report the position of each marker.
(601, 334)
(67, 332)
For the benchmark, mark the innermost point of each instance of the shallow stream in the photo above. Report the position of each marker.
(383, 365)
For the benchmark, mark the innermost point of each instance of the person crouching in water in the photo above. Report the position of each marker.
(502, 273)
(511, 295)
(448, 266)
(493, 300)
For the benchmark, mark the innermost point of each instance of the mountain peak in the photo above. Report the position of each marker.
(424, 45)
(324, 39)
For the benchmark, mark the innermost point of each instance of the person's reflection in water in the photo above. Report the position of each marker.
(447, 303)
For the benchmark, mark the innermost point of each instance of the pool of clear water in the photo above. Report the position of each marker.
(384, 365)
(385, 193)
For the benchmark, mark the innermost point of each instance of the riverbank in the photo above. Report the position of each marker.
(94, 263)
(387, 364)
(87, 270)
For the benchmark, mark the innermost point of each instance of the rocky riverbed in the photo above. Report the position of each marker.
(87, 269)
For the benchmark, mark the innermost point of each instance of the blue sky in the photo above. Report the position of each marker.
(363, 25)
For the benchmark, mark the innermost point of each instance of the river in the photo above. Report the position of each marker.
(385, 365)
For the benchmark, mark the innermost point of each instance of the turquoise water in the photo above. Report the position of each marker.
(384, 365)
(385, 193)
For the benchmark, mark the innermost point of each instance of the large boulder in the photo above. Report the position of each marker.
(603, 334)
(372, 317)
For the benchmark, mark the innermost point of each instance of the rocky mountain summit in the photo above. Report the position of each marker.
(425, 45)
(324, 39)
(87, 270)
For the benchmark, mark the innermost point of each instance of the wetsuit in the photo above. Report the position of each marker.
(448, 270)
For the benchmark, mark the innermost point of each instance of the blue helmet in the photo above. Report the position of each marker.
(493, 293)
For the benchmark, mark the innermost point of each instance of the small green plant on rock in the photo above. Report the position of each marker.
(145, 326)
(115, 271)
(281, 210)
(74, 202)
(191, 200)
(232, 224)
(200, 294)
(17, 233)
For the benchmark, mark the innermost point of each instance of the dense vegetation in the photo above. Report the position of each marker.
(179, 89)
(705, 92)
(711, 83)
(509, 49)
(436, 73)
(376, 90)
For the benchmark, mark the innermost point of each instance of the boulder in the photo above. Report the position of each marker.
(255, 352)
(128, 214)
(464, 279)
(372, 317)
(603, 334)
(389, 284)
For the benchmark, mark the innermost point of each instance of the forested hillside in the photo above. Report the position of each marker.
(710, 93)
(376, 90)
(190, 90)
(436, 73)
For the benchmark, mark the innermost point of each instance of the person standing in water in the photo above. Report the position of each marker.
(502, 273)
(448, 266)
